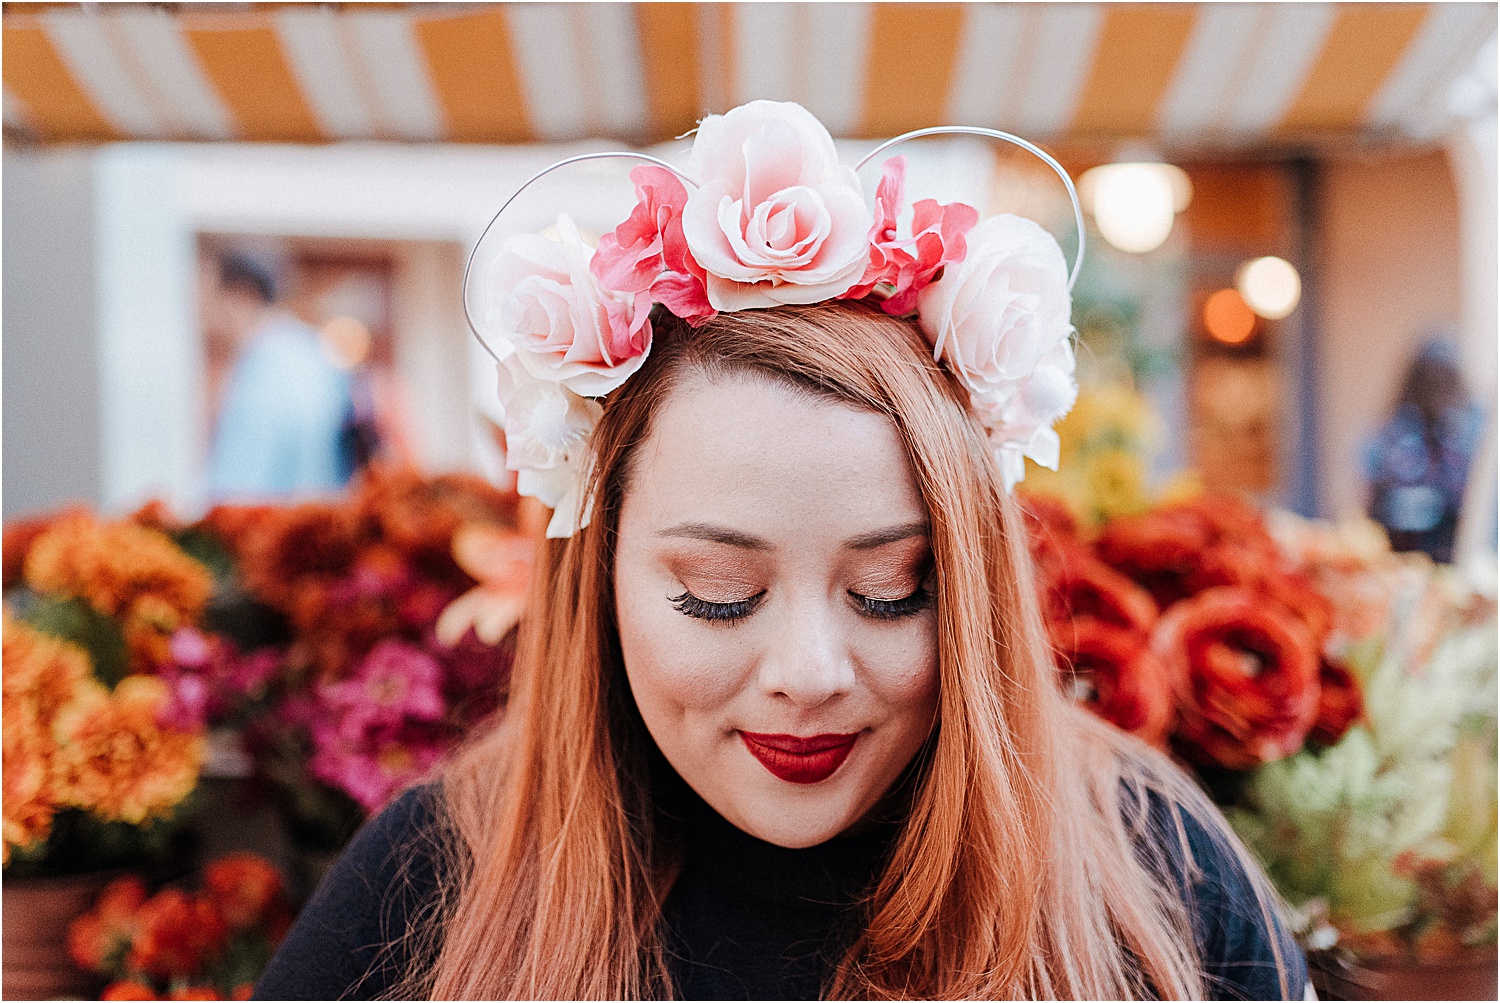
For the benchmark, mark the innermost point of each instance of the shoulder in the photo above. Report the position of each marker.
(349, 942)
(1242, 937)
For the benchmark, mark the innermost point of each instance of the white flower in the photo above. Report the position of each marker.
(547, 429)
(999, 319)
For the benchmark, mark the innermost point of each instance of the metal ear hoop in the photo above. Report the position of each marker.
(1029, 147)
(942, 130)
(469, 262)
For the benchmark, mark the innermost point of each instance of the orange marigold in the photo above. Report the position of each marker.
(115, 760)
(246, 888)
(128, 989)
(178, 935)
(20, 534)
(41, 676)
(123, 570)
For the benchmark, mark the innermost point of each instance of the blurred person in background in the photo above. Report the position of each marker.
(289, 423)
(1418, 462)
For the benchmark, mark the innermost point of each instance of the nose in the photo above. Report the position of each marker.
(809, 661)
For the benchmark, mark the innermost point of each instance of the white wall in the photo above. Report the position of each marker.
(52, 450)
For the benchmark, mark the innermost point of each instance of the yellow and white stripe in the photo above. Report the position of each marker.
(1193, 73)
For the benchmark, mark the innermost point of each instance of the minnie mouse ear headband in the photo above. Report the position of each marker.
(765, 216)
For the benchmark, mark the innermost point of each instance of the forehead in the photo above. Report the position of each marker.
(761, 456)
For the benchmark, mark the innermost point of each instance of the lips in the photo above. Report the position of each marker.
(799, 760)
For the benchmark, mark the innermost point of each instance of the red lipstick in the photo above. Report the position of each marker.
(800, 760)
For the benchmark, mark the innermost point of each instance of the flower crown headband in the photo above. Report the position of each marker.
(768, 216)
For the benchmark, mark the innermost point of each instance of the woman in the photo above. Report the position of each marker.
(783, 721)
(1418, 461)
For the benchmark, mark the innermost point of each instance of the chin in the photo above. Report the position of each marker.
(796, 828)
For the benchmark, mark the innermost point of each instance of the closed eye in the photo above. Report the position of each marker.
(894, 609)
(701, 609)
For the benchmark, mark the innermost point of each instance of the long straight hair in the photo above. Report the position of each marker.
(1027, 865)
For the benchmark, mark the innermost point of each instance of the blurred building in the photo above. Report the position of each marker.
(1355, 141)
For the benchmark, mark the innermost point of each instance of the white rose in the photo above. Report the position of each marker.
(993, 316)
(547, 429)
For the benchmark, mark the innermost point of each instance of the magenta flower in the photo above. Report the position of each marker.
(649, 253)
(377, 762)
(395, 682)
(894, 272)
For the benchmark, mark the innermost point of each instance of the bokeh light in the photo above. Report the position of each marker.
(1270, 285)
(1135, 204)
(1228, 317)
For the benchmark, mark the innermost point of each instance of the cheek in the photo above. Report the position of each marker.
(676, 668)
(900, 666)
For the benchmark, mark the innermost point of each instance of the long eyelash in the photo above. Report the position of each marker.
(894, 609)
(702, 609)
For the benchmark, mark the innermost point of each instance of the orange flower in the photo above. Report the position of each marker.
(129, 989)
(1340, 702)
(123, 570)
(98, 939)
(419, 515)
(21, 534)
(1246, 676)
(500, 560)
(1080, 587)
(246, 888)
(177, 935)
(293, 545)
(194, 993)
(41, 676)
(243, 991)
(1113, 672)
(115, 760)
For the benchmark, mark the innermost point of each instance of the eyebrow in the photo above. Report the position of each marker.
(745, 541)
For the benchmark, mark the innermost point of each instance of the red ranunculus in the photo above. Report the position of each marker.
(1178, 550)
(1340, 702)
(1246, 676)
(1113, 672)
(1084, 588)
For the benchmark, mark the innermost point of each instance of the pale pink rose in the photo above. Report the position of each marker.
(547, 429)
(993, 316)
(777, 219)
(649, 253)
(894, 272)
(565, 326)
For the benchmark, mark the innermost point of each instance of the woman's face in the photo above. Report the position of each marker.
(775, 607)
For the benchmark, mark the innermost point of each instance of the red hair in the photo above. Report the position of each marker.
(1026, 865)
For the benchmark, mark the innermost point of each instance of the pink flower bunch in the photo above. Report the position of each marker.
(772, 218)
(211, 681)
(388, 723)
(382, 728)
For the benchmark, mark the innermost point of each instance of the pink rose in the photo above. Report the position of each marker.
(565, 326)
(777, 219)
(937, 237)
(649, 253)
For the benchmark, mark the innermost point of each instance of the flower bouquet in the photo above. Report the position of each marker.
(1336, 699)
(100, 751)
(208, 944)
(370, 693)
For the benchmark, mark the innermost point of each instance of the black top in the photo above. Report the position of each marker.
(746, 919)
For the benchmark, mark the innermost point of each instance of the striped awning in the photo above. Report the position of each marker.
(1206, 74)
